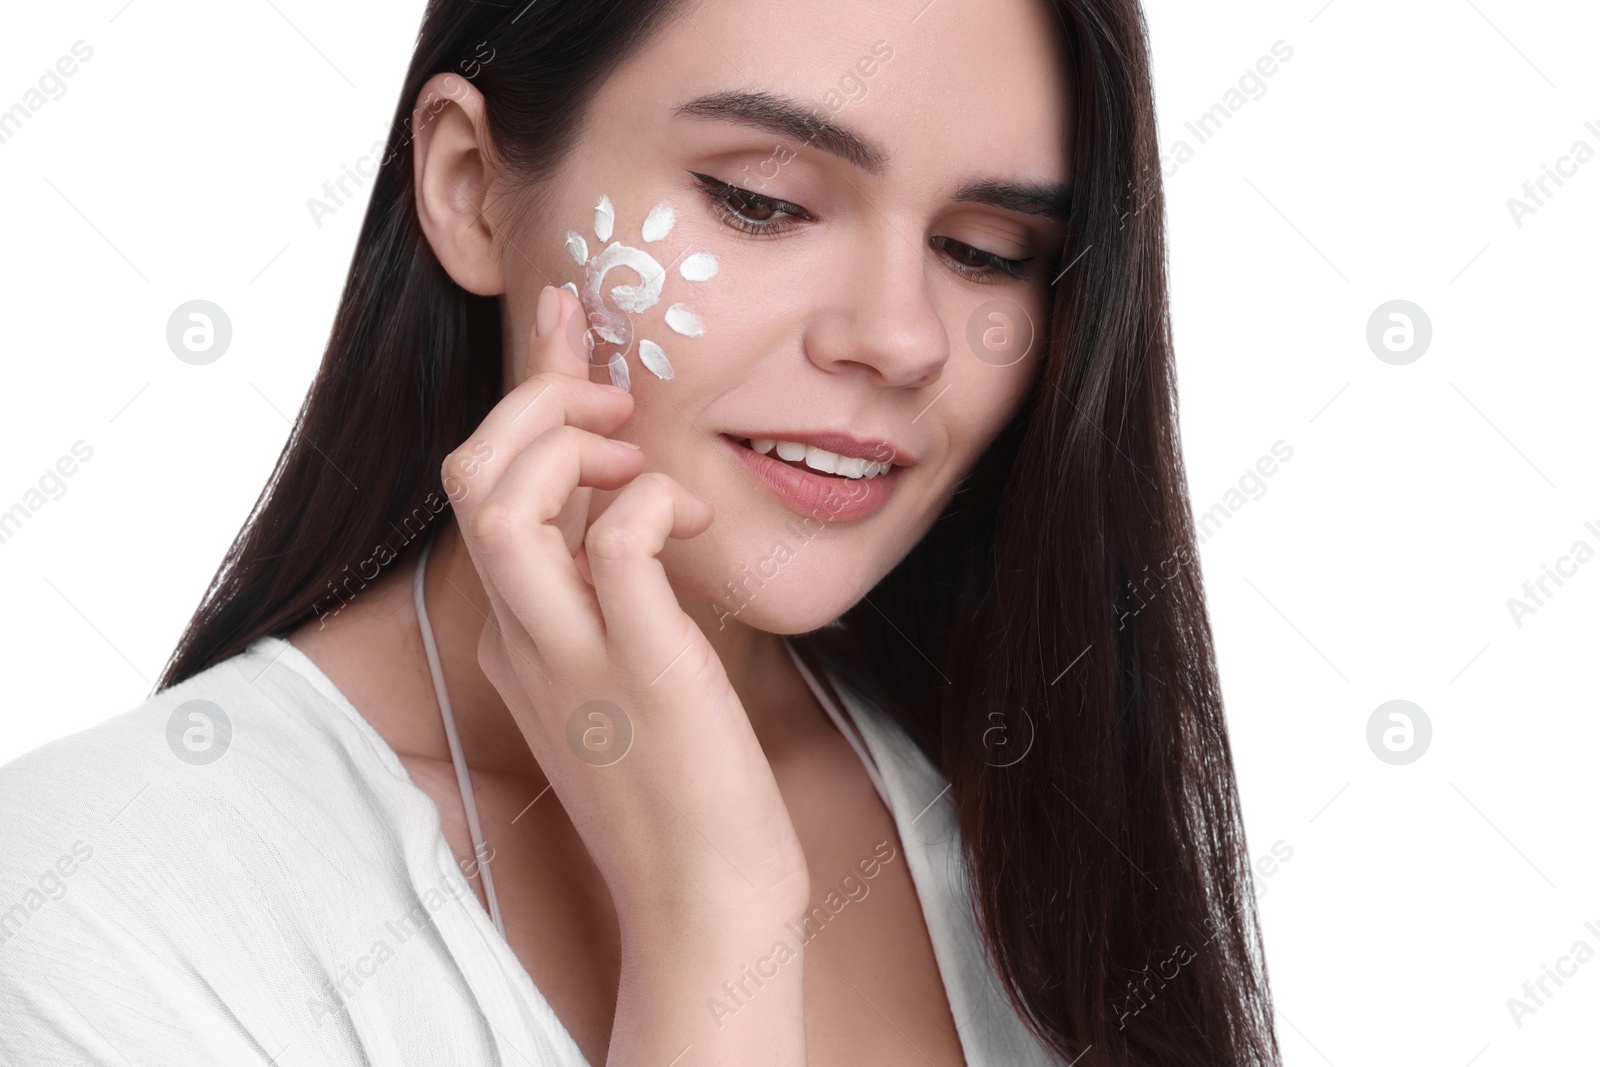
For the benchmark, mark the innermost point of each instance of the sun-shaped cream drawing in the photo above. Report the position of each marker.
(607, 324)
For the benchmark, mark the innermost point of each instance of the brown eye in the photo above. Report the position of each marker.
(969, 256)
(761, 216)
(977, 264)
(755, 208)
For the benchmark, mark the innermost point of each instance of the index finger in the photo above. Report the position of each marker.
(542, 402)
(558, 316)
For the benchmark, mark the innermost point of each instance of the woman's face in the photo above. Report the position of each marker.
(875, 293)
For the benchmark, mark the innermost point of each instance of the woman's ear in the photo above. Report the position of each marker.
(452, 174)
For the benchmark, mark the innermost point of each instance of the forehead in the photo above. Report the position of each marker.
(946, 90)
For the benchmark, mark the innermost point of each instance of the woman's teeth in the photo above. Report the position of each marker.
(819, 459)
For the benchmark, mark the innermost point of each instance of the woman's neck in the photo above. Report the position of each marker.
(758, 666)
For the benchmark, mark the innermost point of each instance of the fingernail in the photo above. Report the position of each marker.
(612, 388)
(548, 311)
(630, 444)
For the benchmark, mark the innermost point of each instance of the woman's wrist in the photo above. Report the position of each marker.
(711, 992)
(709, 930)
(719, 905)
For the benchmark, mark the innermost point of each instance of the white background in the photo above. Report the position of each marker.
(1376, 566)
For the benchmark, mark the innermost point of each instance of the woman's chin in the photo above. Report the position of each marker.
(776, 586)
(775, 607)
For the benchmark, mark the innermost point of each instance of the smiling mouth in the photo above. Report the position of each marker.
(814, 460)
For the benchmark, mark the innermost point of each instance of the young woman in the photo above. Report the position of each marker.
(729, 596)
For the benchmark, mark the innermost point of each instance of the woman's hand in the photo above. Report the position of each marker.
(588, 645)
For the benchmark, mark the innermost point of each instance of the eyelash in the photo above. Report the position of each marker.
(720, 194)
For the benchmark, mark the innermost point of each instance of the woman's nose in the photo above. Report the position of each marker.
(884, 318)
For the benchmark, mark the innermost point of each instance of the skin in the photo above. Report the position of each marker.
(576, 568)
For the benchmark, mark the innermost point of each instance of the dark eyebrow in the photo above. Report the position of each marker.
(789, 118)
(1047, 199)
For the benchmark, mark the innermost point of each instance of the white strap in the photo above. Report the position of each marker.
(463, 779)
(838, 720)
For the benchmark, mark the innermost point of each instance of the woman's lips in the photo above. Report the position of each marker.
(828, 497)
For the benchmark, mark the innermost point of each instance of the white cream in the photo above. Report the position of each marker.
(699, 267)
(615, 326)
(577, 248)
(608, 325)
(658, 223)
(685, 321)
(654, 359)
(619, 371)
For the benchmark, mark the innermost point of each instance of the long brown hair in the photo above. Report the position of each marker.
(1056, 605)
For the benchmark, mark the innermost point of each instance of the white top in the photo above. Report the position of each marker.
(258, 880)
(469, 802)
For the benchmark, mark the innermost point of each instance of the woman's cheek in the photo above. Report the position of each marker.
(647, 308)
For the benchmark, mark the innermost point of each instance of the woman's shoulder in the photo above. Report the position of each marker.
(236, 726)
(211, 856)
(257, 742)
(198, 779)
